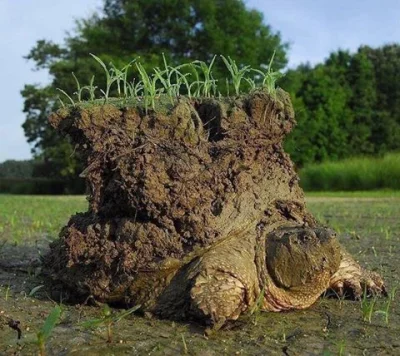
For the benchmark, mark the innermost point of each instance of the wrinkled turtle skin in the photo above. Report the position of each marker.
(195, 212)
(291, 270)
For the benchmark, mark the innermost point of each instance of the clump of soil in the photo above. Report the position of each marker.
(167, 184)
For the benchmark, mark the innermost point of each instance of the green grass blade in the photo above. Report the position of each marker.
(35, 289)
(93, 323)
(50, 323)
(124, 314)
(101, 63)
(69, 98)
(78, 86)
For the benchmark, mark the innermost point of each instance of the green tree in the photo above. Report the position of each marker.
(320, 97)
(184, 30)
(16, 169)
(362, 104)
(347, 106)
(386, 124)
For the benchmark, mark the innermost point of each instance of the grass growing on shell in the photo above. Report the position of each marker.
(193, 79)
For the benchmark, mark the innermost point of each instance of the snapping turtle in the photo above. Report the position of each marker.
(195, 212)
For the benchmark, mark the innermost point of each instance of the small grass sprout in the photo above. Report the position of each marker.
(109, 78)
(341, 297)
(91, 88)
(165, 77)
(149, 86)
(134, 89)
(78, 86)
(185, 348)
(209, 83)
(392, 293)
(386, 309)
(7, 293)
(367, 307)
(121, 77)
(108, 319)
(251, 82)
(387, 232)
(35, 289)
(341, 345)
(237, 74)
(269, 77)
(257, 306)
(67, 96)
(47, 329)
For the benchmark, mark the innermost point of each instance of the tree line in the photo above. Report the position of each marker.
(347, 106)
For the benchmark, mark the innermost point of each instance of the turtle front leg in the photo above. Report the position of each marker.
(354, 280)
(218, 297)
(224, 281)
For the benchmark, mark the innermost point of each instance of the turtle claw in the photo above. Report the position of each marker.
(352, 279)
(374, 284)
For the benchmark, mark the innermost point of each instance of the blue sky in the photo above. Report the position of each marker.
(313, 27)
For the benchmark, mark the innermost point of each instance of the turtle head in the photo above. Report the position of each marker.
(300, 262)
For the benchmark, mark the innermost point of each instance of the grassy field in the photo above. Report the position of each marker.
(364, 173)
(25, 218)
(369, 228)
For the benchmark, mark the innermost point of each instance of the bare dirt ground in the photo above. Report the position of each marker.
(368, 227)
